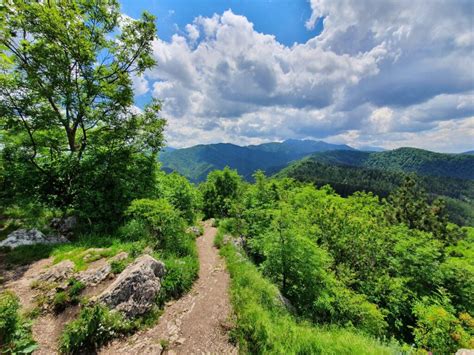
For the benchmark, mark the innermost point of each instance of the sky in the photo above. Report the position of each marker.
(384, 73)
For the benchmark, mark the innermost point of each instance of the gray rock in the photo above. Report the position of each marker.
(64, 226)
(94, 276)
(238, 242)
(286, 303)
(194, 230)
(58, 273)
(29, 237)
(465, 352)
(134, 291)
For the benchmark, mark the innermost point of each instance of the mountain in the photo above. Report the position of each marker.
(450, 176)
(369, 148)
(470, 152)
(197, 161)
(406, 160)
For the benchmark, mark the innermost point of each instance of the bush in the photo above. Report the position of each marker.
(181, 194)
(437, 328)
(133, 230)
(69, 296)
(179, 278)
(165, 225)
(220, 191)
(264, 326)
(15, 332)
(94, 327)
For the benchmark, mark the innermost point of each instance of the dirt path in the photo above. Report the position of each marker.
(196, 323)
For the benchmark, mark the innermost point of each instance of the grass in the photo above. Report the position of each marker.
(264, 326)
(78, 252)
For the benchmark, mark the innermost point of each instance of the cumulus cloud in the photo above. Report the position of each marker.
(393, 69)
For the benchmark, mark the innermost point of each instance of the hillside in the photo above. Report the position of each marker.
(407, 160)
(348, 172)
(197, 161)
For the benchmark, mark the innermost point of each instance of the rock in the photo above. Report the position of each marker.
(94, 276)
(194, 230)
(465, 352)
(29, 237)
(119, 257)
(64, 226)
(134, 291)
(286, 303)
(58, 273)
(238, 242)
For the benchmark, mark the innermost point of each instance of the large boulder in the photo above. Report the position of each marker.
(29, 237)
(134, 291)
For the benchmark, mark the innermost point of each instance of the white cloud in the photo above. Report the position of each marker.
(396, 69)
(140, 85)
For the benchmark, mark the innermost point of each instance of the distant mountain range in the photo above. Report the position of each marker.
(196, 162)
(346, 169)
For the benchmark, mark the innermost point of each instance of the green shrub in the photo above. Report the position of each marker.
(75, 287)
(69, 296)
(117, 266)
(60, 301)
(94, 327)
(181, 194)
(264, 326)
(438, 329)
(180, 276)
(15, 332)
(133, 230)
(165, 224)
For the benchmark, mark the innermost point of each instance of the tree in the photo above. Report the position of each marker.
(220, 191)
(409, 205)
(181, 194)
(66, 97)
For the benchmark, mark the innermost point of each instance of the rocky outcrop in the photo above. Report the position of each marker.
(64, 226)
(29, 237)
(58, 273)
(134, 291)
(95, 275)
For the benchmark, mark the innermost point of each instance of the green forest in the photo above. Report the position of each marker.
(353, 260)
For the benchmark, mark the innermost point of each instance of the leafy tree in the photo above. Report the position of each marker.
(67, 120)
(220, 191)
(438, 329)
(181, 194)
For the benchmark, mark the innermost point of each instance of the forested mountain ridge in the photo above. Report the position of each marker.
(197, 161)
(348, 172)
(408, 160)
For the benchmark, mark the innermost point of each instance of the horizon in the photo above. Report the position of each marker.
(386, 74)
(361, 148)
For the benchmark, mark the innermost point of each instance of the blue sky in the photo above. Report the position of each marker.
(285, 19)
(384, 73)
